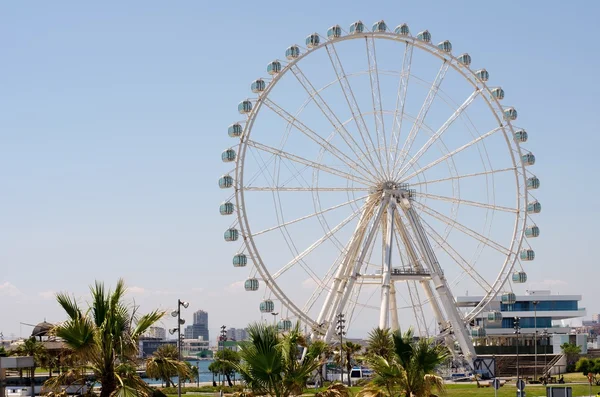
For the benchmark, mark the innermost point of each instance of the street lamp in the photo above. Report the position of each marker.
(535, 303)
(340, 332)
(180, 322)
(517, 326)
(222, 338)
(274, 317)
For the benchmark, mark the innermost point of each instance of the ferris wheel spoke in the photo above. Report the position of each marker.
(456, 257)
(464, 229)
(468, 202)
(302, 189)
(308, 216)
(475, 174)
(357, 115)
(333, 119)
(451, 154)
(401, 99)
(303, 161)
(360, 168)
(324, 287)
(377, 104)
(416, 127)
(440, 131)
(317, 243)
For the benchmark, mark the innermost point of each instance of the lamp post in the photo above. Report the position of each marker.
(535, 303)
(223, 338)
(197, 371)
(517, 326)
(180, 322)
(274, 317)
(340, 332)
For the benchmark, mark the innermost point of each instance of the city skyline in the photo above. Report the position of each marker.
(118, 114)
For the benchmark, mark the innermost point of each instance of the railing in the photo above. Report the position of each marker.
(551, 364)
(488, 350)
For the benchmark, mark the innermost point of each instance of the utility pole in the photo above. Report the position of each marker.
(180, 322)
(517, 326)
(535, 303)
(223, 339)
(340, 332)
(546, 340)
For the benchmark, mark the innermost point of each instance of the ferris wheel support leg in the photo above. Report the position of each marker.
(384, 314)
(349, 285)
(458, 326)
(437, 310)
(393, 309)
(344, 268)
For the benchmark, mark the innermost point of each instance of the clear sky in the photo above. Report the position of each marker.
(114, 115)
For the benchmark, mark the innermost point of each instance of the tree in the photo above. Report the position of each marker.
(104, 339)
(164, 364)
(326, 353)
(225, 362)
(586, 366)
(272, 363)
(350, 350)
(572, 351)
(380, 343)
(410, 369)
(33, 348)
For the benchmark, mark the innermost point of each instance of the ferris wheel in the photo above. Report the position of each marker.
(377, 175)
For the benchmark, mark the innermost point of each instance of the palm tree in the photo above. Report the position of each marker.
(410, 369)
(326, 353)
(104, 339)
(272, 363)
(33, 348)
(380, 343)
(350, 349)
(164, 364)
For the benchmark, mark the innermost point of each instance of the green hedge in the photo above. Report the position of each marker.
(203, 389)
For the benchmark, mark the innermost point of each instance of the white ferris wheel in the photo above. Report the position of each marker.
(379, 176)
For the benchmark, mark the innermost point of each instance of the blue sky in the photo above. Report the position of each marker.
(114, 117)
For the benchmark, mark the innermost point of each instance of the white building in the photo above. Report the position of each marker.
(542, 317)
(156, 333)
(237, 334)
(195, 348)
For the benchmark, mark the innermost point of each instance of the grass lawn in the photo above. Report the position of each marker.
(508, 390)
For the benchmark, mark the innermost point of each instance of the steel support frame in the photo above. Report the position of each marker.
(341, 295)
(446, 298)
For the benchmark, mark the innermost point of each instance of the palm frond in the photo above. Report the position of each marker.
(146, 321)
(69, 305)
(372, 391)
(403, 346)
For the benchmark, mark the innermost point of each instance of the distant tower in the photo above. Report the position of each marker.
(199, 328)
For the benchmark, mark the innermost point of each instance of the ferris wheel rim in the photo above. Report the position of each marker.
(495, 107)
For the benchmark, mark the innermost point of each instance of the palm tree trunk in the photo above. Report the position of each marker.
(228, 379)
(109, 384)
(33, 381)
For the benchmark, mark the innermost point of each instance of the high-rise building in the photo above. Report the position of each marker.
(201, 317)
(199, 329)
(596, 317)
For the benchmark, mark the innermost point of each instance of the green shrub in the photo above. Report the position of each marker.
(204, 389)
